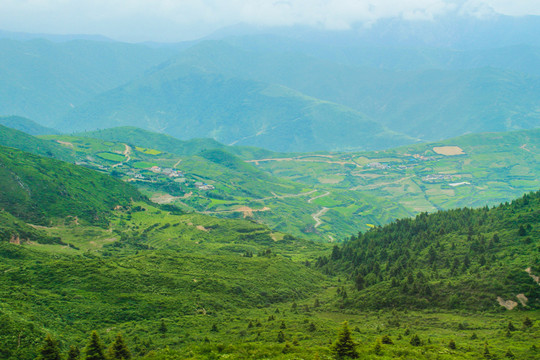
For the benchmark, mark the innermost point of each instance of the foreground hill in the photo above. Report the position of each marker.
(487, 256)
(192, 287)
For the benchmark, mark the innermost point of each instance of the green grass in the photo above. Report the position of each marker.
(111, 156)
(143, 164)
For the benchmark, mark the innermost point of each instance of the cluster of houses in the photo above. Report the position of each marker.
(202, 186)
(437, 177)
(378, 165)
(170, 172)
(381, 166)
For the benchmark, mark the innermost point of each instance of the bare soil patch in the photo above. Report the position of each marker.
(508, 304)
(448, 150)
(163, 198)
(65, 143)
(329, 180)
(522, 299)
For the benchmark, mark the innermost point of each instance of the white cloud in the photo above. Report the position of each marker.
(167, 20)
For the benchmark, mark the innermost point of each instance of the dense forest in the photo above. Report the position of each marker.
(463, 258)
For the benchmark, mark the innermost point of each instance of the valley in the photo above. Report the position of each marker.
(350, 186)
(339, 189)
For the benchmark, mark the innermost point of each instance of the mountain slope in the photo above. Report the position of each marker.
(43, 80)
(188, 102)
(23, 141)
(445, 92)
(26, 125)
(38, 189)
(163, 142)
(480, 254)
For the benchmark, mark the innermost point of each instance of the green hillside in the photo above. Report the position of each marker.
(17, 231)
(472, 170)
(218, 183)
(23, 141)
(39, 190)
(26, 125)
(482, 255)
(192, 287)
(136, 136)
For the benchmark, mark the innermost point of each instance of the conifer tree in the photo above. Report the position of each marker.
(377, 349)
(527, 322)
(415, 341)
(280, 337)
(509, 354)
(94, 349)
(49, 350)
(345, 346)
(162, 327)
(487, 354)
(119, 349)
(73, 353)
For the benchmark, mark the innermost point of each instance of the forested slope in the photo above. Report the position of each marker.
(463, 258)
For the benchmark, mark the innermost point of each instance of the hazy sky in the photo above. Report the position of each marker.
(174, 20)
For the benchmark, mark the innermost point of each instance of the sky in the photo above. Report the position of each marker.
(179, 20)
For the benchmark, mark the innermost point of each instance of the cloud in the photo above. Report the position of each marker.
(169, 20)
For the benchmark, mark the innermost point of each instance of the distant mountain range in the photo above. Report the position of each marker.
(306, 91)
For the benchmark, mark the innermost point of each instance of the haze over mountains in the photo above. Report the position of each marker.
(243, 195)
(293, 90)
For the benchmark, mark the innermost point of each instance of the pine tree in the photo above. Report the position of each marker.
(487, 354)
(282, 326)
(377, 349)
(452, 344)
(527, 322)
(387, 340)
(49, 350)
(119, 350)
(280, 337)
(94, 349)
(162, 327)
(511, 326)
(286, 349)
(73, 353)
(509, 354)
(345, 346)
(415, 341)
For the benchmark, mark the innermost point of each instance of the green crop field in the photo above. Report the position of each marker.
(111, 156)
